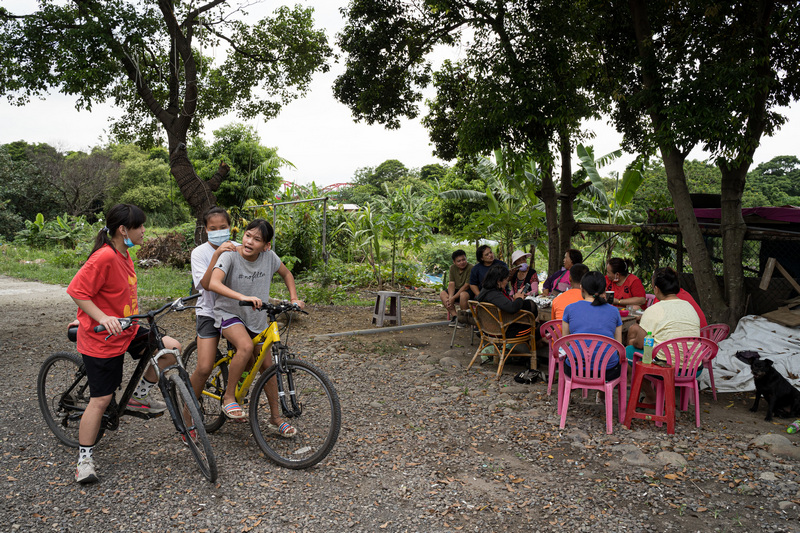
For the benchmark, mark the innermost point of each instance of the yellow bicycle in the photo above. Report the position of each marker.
(306, 396)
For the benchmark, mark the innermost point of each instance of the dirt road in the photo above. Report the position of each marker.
(425, 446)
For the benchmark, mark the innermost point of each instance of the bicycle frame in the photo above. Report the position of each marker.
(269, 339)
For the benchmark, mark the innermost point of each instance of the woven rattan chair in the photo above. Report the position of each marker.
(493, 325)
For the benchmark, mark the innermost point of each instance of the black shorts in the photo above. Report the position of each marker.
(105, 373)
(205, 327)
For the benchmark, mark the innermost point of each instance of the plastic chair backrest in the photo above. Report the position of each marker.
(686, 354)
(588, 355)
(551, 330)
(715, 332)
(651, 299)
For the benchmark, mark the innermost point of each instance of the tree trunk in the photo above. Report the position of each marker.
(708, 288)
(551, 217)
(733, 229)
(199, 194)
(709, 292)
(568, 194)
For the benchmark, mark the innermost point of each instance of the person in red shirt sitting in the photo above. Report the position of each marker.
(627, 288)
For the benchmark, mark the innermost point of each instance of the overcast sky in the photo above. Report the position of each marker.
(316, 133)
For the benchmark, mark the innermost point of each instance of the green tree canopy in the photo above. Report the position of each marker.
(148, 57)
(239, 146)
(690, 73)
(523, 81)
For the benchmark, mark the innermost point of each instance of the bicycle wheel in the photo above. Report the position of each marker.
(193, 435)
(316, 415)
(63, 391)
(210, 407)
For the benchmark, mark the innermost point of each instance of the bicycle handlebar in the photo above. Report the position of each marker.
(177, 305)
(276, 309)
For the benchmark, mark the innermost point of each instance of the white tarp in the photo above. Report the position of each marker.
(772, 341)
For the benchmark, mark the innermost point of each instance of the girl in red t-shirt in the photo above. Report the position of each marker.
(104, 290)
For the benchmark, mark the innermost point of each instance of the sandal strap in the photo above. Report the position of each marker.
(285, 428)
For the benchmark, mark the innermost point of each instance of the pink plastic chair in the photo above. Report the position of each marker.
(685, 354)
(651, 299)
(588, 357)
(715, 332)
(551, 331)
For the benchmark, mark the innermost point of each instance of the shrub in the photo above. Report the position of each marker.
(169, 249)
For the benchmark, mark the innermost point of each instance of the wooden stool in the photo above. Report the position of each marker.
(380, 308)
(667, 373)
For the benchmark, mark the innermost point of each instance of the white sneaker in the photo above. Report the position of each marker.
(85, 472)
(148, 404)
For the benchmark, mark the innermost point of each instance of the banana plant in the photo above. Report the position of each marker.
(514, 212)
(602, 208)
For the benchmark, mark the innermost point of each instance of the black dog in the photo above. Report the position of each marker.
(782, 398)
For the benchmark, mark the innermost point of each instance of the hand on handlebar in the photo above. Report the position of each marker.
(299, 303)
(111, 325)
(251, 300)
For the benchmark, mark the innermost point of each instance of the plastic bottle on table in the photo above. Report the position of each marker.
(649, 342)
(794, 427)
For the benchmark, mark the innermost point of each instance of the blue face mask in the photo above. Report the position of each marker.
(128, 242)
(219, 236)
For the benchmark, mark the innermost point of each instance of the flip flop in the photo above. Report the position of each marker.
(284, 430)
(231, 409)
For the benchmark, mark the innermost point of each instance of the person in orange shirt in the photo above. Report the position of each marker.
(576, 273)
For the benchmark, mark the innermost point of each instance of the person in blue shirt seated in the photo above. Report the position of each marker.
(594, 315)
(486, 259)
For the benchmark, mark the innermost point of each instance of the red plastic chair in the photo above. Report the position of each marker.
(685, 355)
(588, 356)
(551, 331)
(715, 332)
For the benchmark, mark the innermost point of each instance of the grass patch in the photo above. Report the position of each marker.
(57, 267)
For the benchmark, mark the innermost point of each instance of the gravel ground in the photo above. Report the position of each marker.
(425, 446)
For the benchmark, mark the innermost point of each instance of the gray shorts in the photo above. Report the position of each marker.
(205, 327)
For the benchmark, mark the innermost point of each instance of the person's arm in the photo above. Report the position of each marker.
(501, 302)
(564, 328)
(224, 247)
(618, 335)
(288, 279)
(463, 288)
(474, 280)
(217, 285)
(111, 323)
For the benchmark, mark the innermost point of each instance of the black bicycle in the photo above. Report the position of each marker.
(63, 391)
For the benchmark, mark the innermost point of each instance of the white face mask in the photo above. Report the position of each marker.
(219, 236)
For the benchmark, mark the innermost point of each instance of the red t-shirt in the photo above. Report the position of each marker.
(109, 281)
(631, 288)
(686, 297)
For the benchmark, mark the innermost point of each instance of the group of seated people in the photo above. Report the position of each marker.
(584, 300)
